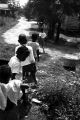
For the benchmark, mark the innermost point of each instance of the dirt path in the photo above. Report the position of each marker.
(11, 36)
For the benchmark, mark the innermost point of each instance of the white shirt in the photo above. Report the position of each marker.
(14, 92)
(10, 90)
(15, 65)
(30, 59)
(35, 46)
(42, 35)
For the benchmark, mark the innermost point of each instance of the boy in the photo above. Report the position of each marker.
(27, 63)
(15, 66)
(35, 45)
(28, 66)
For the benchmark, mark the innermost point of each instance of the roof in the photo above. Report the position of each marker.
(3, 6)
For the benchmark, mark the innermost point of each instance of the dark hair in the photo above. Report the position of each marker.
(22, 53)
(34, 37)
(22, 39)
(5, 73)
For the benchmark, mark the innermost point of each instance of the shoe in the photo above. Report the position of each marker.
(26, 116)
(35, 100)
(35, 86)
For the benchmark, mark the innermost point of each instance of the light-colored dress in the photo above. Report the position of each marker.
(10, 90)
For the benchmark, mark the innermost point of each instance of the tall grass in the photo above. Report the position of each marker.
(6, 50)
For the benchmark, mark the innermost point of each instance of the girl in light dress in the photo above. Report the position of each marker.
(10, 93)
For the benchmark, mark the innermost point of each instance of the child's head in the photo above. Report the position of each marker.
(22, 53)
(34, 37)
(5, 74)
(22, 39)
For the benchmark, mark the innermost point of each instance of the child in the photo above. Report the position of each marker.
(22, 41)
(35, 45)
(15, 66)
(9, 94)
(28, 66)
(27, 62)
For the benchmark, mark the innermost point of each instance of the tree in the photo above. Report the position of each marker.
(51, 12)
(40, 9)
(14, 6)
(3, 1)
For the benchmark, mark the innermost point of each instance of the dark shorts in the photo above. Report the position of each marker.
(29, 72)
(29, 68)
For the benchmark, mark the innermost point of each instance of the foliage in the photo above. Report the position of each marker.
(60, 91)
(51, 12)
(62, 104)
(50, 9)
(39, 9)
(3, 1)
(13, 5)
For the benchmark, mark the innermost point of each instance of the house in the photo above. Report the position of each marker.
(5, 10)
(71, 25)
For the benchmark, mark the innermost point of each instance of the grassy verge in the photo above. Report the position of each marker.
(6, 50)
(59, 90)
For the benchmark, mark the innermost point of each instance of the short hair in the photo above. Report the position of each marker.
(22, 39)
(22, 53)
(5, 73)
(34, 37)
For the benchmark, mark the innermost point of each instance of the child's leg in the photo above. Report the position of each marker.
(25, 72)
(13, 114)
(37, 55)
(33, 72)
(31, 68)
(2, 115)
(13, 75)
(34, 77)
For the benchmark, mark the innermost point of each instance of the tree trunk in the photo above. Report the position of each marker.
(58, 32)
(51, 31)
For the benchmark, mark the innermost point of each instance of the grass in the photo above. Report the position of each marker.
(6, 50)
(60, 90)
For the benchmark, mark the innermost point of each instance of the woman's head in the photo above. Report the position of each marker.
(5, 73)
(34, 37)
(22, 53)
(22, 39)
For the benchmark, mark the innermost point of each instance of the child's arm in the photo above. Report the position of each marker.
(37, 50)
(3, 101)
(37, 54)
(24, 86)
(32, 59)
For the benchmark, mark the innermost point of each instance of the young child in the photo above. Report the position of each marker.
(22, 41)
(35, 45)
(28, 66)
(9, 94)
(27, 63)
(15, 66)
